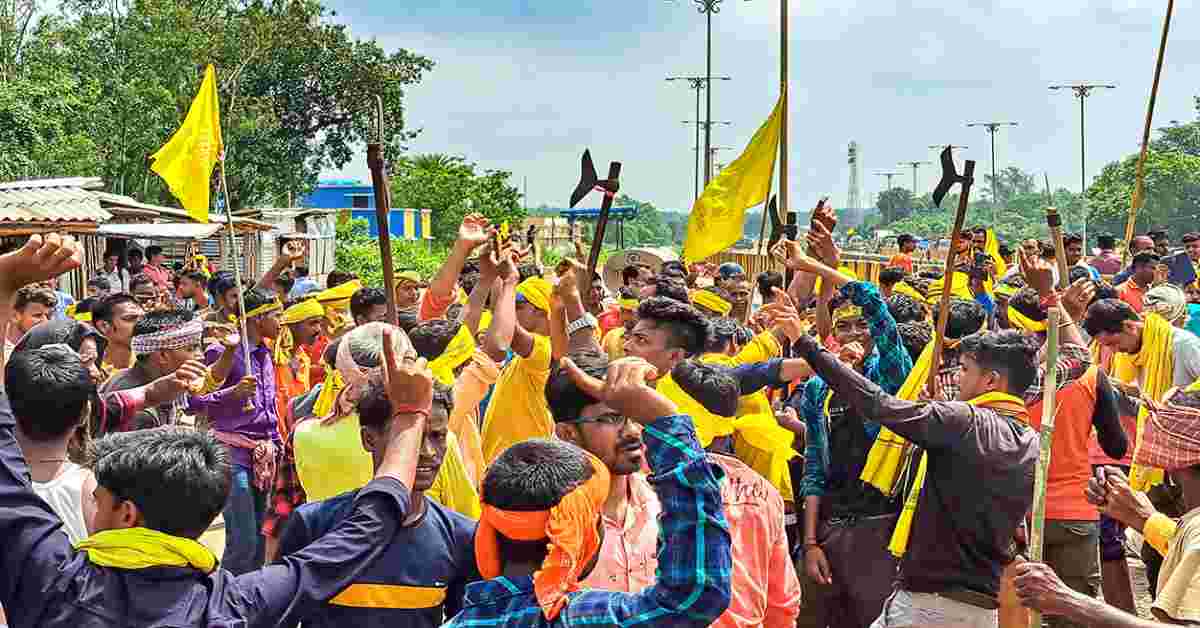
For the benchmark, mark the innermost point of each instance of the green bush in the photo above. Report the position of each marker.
(357, 252)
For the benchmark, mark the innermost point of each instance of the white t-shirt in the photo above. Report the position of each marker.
(65, 496)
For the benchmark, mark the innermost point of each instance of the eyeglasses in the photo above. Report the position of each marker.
(612, 420)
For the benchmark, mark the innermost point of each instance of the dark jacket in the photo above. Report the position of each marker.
(44, 582)
(1182, 272)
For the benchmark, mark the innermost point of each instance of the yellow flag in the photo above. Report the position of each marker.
(717, 217)
(186, 161)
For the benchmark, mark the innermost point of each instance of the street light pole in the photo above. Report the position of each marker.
(699, 124)
(698, 83)
(992, 127)
(915, 165)
(1082, 91)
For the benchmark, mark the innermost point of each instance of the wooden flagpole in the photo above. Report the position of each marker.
(237, 271)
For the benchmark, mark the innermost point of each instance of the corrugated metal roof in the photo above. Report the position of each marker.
(52, 200)
(162, 231)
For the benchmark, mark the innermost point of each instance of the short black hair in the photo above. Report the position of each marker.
(55, 389)
(686, 328)
(1076, 273)
(220, 283)
(179, 478)
(329, 355)
(35, 294)
(565, 399)
(196, 276)
(1106, 241)
(159, 320)
(1191, 236)
(141, 280)
(767, 281)
(106, 307)
(1104, 290)
(1141, 259)
(903, 238)
(337, 278)
(631, 272)
(891, 275)
(302, 271)
(966, 318)
(1107, 316)
(430, 338)
(721, 331)
(364, 299)
(1009, 352)
(153, 250)
(375, 409)
(671, 288)
(915, 335)
(535, 475)
(712, 385)
(905, 309)
(1028, 303)
(1157, 234)
(134, 253)
(1072, 237)
(258, 297)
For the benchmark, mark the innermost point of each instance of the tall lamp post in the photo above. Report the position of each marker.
(1082, 91)
(915, 165)
(992, 127)
(708, 8)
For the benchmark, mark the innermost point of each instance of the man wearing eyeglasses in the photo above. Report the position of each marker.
(628, 558)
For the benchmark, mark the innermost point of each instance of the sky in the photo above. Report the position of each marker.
(527, 85)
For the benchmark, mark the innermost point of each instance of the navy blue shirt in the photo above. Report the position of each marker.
(44, 582)
(418, 581)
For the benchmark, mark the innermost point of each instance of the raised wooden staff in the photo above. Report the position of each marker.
(383, 204)
(950, 177)
(1140, 178)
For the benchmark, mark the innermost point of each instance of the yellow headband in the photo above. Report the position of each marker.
(711, 301)
(264, 309)
(537, 291)
(409, 275)
(629, 304)
(1024, 322)
(303, 311)
(460, 349)
(845, 312)
(85, 317)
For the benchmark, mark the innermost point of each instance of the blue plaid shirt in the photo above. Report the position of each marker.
(694, 562)
(888, 366)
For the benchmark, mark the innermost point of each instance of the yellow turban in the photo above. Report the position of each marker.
(409, 275)
(460, 349)
(300, 312)
(339, 293)
(537, 291)
(711, 301)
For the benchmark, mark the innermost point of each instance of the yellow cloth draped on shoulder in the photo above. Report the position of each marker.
(459, 350)
(1156, 364)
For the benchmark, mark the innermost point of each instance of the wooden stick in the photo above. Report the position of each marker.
(939, 336)
(237, 271)
(1049, 388)
(1140, 178)
(1054, 221)
(383, 211)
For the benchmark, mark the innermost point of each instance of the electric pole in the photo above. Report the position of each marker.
(698, 83)
(992, 127)
(915, 165)
(1082, 91)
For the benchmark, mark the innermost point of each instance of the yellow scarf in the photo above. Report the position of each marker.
(902, 287)
(890, 451)
(1156, 361)
(1024, 322)
(459, 350)
(992, 248)
(711, 301)
(960, 286)
(900, 536)
(139, 548)
(296, 314)
(330, 390)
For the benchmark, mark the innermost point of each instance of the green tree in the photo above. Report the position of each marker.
(1171, 196)
(357, 252)
(453, 187)
(895, 204)
(296, 89)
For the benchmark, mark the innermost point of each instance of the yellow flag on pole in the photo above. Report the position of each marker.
(186, 161)
(717, 217)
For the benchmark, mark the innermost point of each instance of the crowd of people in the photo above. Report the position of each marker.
(525, 447)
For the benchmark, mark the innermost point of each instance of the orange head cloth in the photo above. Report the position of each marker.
(571, 527)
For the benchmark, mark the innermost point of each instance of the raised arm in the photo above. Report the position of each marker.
(500, 334)
(471, 235)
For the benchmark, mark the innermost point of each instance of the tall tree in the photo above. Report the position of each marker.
(453, 187)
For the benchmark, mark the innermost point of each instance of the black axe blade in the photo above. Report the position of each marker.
(950, 176)
(777, 226)
(587, 179)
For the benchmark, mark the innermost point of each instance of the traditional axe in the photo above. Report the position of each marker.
(950, 177)
(588, 181)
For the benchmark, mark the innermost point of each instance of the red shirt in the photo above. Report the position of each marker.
(159, 275)
(902, 260)
(1132, 294)
(609, 319)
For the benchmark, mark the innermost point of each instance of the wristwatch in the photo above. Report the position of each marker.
(587, 320)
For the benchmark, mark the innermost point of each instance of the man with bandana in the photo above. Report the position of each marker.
(301, 329)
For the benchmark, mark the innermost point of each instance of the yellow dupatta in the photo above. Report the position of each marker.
(902, 287)
(1156, 362)
(900, 536)
(890, 450)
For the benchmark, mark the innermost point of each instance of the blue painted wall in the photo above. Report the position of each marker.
(337, 195)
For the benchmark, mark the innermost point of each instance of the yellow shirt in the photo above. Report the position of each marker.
(330, 460)
(518, 409)
(614, 343)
